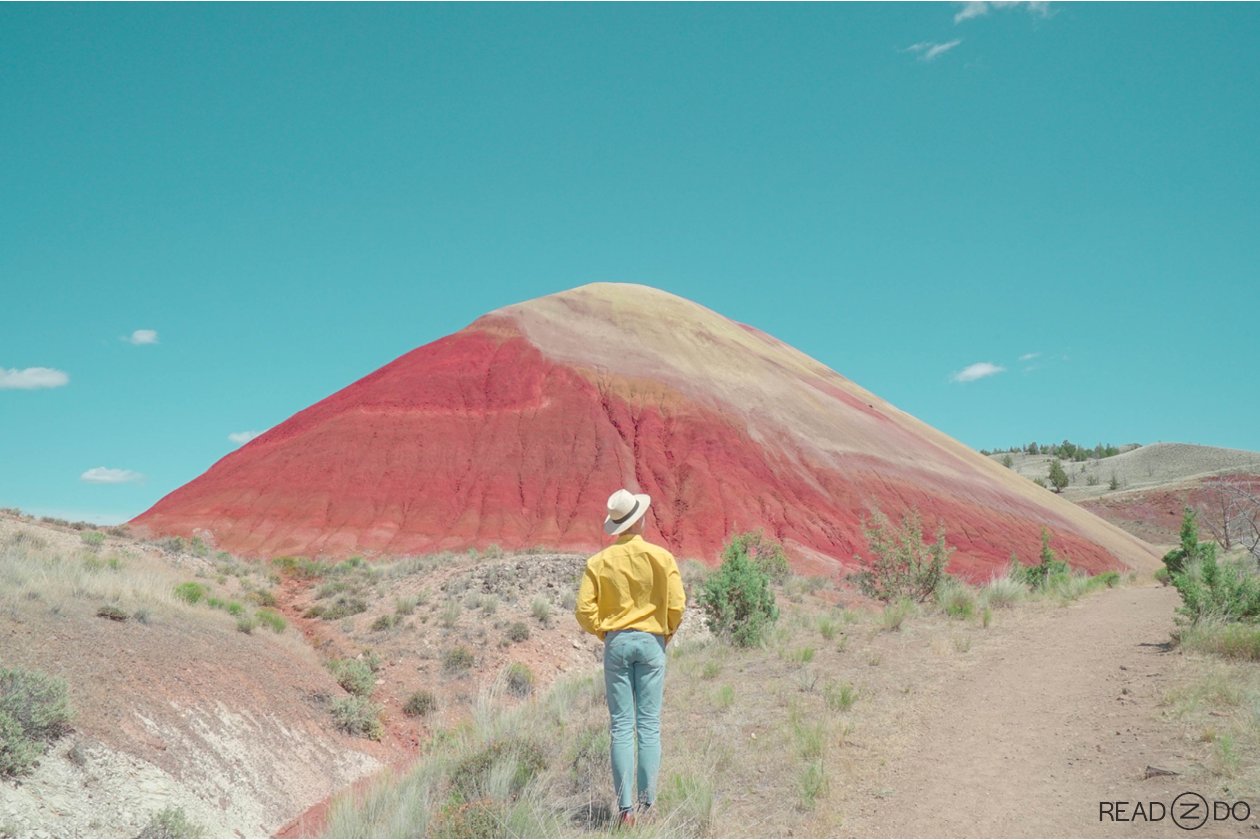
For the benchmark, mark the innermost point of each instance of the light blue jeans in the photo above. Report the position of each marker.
(634, 676)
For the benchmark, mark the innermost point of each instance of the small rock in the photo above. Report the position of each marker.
(1152, 772)
(577, 644)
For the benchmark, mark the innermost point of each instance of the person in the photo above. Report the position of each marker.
(632, 598)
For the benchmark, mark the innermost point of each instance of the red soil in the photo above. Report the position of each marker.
(483, 438)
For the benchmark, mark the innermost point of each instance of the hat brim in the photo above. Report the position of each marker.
(613, 527)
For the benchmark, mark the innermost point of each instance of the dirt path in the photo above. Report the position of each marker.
(1043, 725)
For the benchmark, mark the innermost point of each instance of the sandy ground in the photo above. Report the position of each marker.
(1051, 718)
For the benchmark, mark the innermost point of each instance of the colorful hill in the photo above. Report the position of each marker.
(514, 430)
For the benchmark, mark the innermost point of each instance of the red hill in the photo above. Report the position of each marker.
(514, 431)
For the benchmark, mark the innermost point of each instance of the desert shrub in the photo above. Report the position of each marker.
(518, 631)
(1058, 477)
(1038, 576)
(1004, 591)
(481, 818)
(344, 606)
(827, 626)
(406, 606)
(451, 612)
(272, 619)
(841, 697)
(316, 611)
(1114, 484)
(94, 539)
(541, 609)
(198, 546)
(171, 823)
(262, 598)
(901, 564)
(1108, 579)
(113, 613)
(894, 615)
(458, 660)
(1163, 576)
(247, 624)
(693, 573)
(737, 601)
(1190, 549)
(765, 552)
(383, 622)
(1227, 591)
(519, 679)
(354, 675)
(358, 716)
(420, 703)
(34, 710)
(235, 609)
(191, 592)
(469, 776)
(956, 598)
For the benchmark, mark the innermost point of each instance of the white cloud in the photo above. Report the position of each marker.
(243, 437)
(977, 371)
(929, 50)
(142, 337)
(103, 475)
(980, 8)
(1028, 356)
(28, 379)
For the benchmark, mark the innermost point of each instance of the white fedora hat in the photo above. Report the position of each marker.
(625, 509)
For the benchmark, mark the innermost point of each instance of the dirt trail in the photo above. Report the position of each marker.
(1042, 726)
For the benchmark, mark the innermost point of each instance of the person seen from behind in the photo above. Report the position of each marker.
(632, 598)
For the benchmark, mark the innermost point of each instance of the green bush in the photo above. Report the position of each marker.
(1211, 589)
(358, 716)
(247, 624)
(1108, 579)
(519, 679)
(94, 539)
(481, 818)
(901, 565)
(737, 601)
(765, 552)
(468, 778)
(458, 660)
(1231, 641)
(171, 824)
(1163, 576)
(420, 703)
(34, 710)
(518, 631)
(344, 606)
(191, 592)
(383, 622)
(541, 608)
(1190, 549)
(273, 619)
(113, 613)
(1057, 477)
(354, 675)
(1050, 566)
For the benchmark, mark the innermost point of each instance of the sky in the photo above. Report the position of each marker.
(1017, 222)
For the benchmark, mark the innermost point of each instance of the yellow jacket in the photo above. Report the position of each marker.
(631, 585)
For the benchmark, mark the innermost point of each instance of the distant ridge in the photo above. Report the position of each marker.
(514, 430)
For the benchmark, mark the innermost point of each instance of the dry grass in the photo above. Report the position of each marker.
(41, 568)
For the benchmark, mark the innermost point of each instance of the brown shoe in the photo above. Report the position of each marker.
(626, 820)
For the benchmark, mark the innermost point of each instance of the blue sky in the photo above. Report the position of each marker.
(289, 196)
